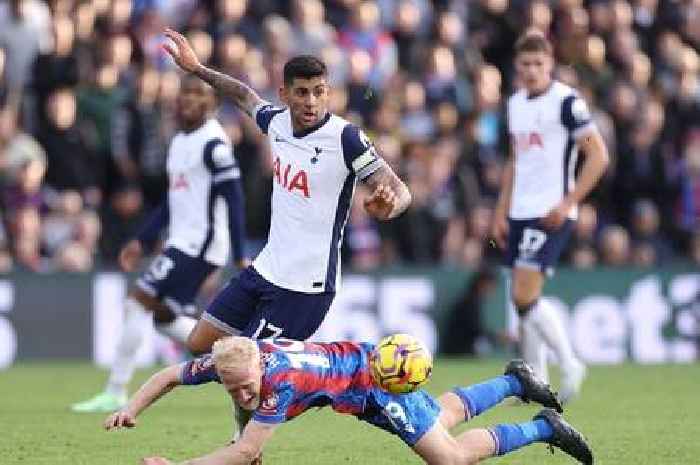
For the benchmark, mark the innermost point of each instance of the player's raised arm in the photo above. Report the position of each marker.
(157, 386)
(243, 96)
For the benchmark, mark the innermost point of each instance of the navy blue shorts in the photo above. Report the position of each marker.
(174, 278)
(530, 245)
(408, 416)
(251, 306)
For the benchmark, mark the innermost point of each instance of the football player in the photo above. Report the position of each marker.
(548, 124)
(278, 380)
(204, 215)
(317, 158)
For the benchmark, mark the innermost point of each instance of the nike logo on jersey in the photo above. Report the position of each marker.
(314, 159)
(291, 181)
(523, 141)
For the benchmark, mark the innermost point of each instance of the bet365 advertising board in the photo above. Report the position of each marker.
(613, 316)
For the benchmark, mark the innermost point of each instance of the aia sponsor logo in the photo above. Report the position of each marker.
(524, 141)
(179, 182)
(291, 179)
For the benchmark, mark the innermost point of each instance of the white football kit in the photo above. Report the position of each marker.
(543, 131)
(198, 223)
(314, 176)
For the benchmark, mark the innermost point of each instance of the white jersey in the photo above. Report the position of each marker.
(198, 224)
(314, 176)
(543, 131)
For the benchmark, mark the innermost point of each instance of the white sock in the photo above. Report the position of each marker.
(551, 329)
(533, 349)
(178, 329)
(136, 320)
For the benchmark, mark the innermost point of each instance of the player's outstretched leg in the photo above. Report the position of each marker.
(438, 447)
(464, 403)
(565, 437)
(534, 389)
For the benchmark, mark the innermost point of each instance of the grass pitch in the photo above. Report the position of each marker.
(632, 415)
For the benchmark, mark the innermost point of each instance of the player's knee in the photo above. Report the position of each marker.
(196, 345)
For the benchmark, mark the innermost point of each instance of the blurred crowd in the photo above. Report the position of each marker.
(87, 100)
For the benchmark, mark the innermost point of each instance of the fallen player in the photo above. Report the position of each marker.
(277, 380)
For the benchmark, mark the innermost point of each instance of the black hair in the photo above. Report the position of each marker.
(304, 67)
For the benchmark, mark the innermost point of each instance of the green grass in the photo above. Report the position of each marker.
(632, 415)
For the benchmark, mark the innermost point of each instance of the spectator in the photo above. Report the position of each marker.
(464, 327)
(407, 34)
(70, 233)
(71, 162)
(97, 105)
(416, 122)
(311, 32)
(138, 138)
(614, 246)
(23, 165)
(230, 18)
(57, 68)
(645, 233)
(366, 34)
(122, 216)
(441, 81)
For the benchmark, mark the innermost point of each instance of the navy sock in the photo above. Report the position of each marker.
(481, 397)
(511, 437)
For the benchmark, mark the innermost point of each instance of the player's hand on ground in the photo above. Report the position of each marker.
(557, 216)
(119, 420)
(499, 230)
(155, 461)
(381, 202)
(181, 52)
(130, 255)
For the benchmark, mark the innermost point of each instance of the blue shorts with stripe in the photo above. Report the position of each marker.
(408, 416)
(530, 245)
(174, 278)
(251, 306)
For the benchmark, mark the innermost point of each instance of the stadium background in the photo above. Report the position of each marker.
(87, 110)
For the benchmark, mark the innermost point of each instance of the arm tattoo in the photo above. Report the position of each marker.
(243, 96)
(386, 176)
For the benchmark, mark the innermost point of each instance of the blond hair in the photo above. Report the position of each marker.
(234, 353)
